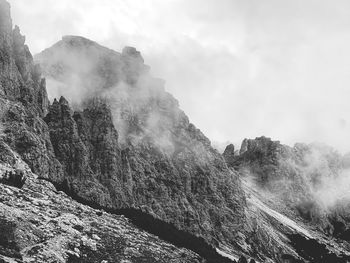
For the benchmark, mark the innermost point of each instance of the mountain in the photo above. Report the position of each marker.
(304, 188)
(40, 224)
(142, 170)
(128, 145)
(312, 179)
(112, 170)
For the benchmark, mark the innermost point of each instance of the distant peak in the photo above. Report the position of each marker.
(77, 40)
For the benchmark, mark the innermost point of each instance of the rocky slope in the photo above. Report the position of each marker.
(40, 224)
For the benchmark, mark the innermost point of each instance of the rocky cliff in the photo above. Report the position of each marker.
(23, 101)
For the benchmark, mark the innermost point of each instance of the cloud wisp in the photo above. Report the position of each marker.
(239, 69)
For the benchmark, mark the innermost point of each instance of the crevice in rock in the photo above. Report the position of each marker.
(146, 222)
(16, 178)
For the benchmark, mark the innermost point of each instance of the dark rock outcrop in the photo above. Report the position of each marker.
(229, 154)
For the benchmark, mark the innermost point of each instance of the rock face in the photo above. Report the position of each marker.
(229, 154)
(129, 145)
(23, 101)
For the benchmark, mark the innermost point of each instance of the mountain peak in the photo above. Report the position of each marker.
(75, 38)
(96, 67)
(78, 42)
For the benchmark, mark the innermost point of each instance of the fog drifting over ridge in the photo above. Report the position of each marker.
(239, 68)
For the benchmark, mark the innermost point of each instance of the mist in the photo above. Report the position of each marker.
(239, 69)
(328, 179)
(257, 80)
(88, 75)
(313, 178)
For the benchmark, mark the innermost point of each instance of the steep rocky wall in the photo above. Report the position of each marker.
(23, 101)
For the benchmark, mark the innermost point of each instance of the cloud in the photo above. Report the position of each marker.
(323, 174)
(239, 68)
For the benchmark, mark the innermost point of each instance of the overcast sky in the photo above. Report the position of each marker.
(245, 68)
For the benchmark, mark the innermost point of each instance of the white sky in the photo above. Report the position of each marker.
(244, 68)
